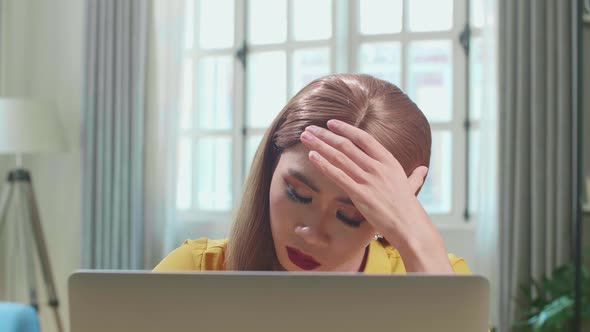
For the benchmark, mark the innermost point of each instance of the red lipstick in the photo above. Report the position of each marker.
(302, 260)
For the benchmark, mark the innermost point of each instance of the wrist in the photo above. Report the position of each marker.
(420, 244)
(425, 255)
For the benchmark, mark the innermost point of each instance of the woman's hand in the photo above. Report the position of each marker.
(377, 184)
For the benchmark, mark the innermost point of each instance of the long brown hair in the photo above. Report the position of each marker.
(373, 105)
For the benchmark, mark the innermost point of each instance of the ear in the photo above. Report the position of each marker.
(417, 177)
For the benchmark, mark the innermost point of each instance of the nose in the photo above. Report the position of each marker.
(314, 236)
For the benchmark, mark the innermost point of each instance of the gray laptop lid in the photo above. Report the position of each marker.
(275, 301)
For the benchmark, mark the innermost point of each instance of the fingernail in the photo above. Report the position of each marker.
(306, 136)
(333, 123)
(312, 129)
(314, 155)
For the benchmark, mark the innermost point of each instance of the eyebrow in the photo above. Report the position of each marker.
(299, 176)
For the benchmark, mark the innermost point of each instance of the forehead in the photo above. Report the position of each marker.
(296, 158)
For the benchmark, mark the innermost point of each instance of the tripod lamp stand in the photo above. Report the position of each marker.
(28, 127)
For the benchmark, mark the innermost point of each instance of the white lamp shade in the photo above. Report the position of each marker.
(29, 126)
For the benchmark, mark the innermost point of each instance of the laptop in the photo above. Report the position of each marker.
(141, 301)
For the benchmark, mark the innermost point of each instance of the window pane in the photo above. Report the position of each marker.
(380, 16)
(312, 19)
(216, 29)
(252, 143)
(430, 15)
(430, 78)
(184, 174)
(267, 87)
(186, 106)
(477, 13)
(476, 78)
(267, 22)
(189, 24)
(309, 64)
(435, 196)
(214, 173)
(382, 60)
(215, 92)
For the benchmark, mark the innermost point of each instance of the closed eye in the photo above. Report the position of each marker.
(348, 221)
(292, 194)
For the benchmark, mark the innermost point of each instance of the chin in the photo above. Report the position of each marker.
(285, 262)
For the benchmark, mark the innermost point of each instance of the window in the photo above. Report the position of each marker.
(236, 82)
(477, 58)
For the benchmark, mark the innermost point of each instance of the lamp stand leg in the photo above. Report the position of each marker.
(23, 177)
(43, 255)
(26, 234)
(4, 199)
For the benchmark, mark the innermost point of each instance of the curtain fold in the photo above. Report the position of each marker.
(166, 51)
(486, 224)
(535, 132)
(113, 133)
(168, 72)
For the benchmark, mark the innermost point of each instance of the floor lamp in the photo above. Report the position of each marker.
(28, 127)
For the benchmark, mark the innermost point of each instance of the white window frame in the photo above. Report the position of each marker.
(188, 218)
(473, 123)
(344, 49)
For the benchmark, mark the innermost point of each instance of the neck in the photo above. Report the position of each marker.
(357, 264)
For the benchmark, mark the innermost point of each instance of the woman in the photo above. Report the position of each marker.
(333, 187)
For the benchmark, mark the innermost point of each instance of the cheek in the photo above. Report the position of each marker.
(347, 242)
(277, 208)
(286, 215)
(281, 212)
(284, 212)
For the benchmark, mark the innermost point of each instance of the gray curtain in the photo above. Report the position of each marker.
(113, 137)
(535, 52)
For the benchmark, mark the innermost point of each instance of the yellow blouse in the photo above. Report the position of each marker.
(206, 255)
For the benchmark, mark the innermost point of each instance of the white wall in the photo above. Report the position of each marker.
(14, 76)
(15, 59)
(42, 53)
(57, 75)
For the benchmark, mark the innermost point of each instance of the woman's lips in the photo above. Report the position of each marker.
(302, 260)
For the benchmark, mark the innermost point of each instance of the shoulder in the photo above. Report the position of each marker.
(205, 245)
(195, 255)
